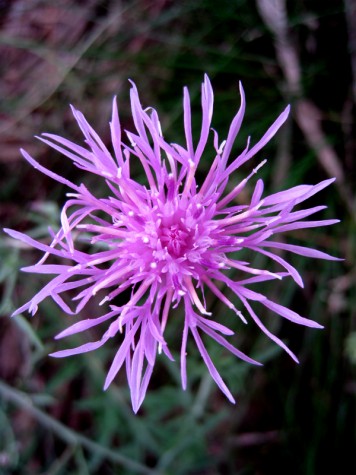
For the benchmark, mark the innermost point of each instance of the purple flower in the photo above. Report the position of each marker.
(168, 240)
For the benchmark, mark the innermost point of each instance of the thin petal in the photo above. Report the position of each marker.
(79, 349)
(234, 127)
(84, 325)
(210, 365)
(301, 250)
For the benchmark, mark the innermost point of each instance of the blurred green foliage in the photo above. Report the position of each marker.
(289, 419)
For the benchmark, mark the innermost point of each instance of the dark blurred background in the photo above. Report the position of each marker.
(289, 419)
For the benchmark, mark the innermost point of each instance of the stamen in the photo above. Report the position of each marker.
(239, 187)
(251, 270)
(222, 297)
(107, 174)
(110, 279)
(241, 216)
(103, 230)
(194, 296)
(190, 177)
(134, 299)
(167, 306)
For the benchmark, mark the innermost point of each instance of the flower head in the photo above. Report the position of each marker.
(167, 240)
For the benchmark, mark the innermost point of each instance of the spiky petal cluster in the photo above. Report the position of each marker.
(166, 240)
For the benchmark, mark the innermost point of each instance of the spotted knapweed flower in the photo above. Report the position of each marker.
(167, 240)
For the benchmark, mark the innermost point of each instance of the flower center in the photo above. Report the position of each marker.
(176, 238)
